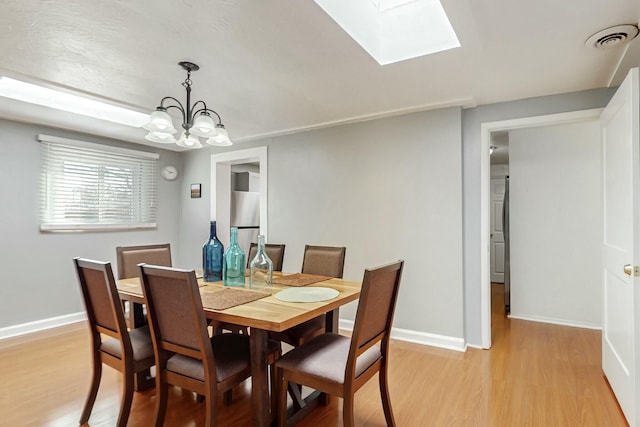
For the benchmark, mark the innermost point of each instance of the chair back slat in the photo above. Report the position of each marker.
(324, 260)
(274, 251)
(175, 310)
(100, 296)
(375, 310)
(130, 256)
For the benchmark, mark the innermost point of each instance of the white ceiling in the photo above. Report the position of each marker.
(274, 67)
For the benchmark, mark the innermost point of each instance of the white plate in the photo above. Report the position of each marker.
(307, 294)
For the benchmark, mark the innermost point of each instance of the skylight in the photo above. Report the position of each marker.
(394, 30)
(59, 100)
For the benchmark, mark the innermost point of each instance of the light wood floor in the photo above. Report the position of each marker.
(535, 375)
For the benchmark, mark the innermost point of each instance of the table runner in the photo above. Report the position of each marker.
(299, 279)
(227, 298)
(218, 300)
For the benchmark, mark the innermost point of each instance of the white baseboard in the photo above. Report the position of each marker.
(555, 321)
(40, 325)
(434, 340)
(479, 347)
(424, 338)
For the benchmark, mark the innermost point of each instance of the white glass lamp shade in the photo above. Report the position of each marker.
(221, 139)
(190, 141)
(160, 121)
(161, 137)
(204, 126)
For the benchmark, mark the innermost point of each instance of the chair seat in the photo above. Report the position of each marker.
(325, 357)
(231, 352)
(140, 343)
(297, 335)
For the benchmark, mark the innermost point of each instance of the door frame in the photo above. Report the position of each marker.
(486, 129)
(221, 185)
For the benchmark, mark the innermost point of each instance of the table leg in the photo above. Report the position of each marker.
(260, 398)
(136, 315)
(331, 320)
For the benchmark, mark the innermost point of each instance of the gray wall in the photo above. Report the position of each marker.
(386, 189)
(413, 160)
(472, 119)
(556, 223)
(37, 280)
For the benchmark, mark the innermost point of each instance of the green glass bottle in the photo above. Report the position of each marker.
(234, 265)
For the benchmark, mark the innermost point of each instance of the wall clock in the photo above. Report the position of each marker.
(169, 172)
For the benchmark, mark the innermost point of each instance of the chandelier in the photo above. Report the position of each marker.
(196, 120)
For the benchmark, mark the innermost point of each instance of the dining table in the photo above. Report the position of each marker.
(268, 313)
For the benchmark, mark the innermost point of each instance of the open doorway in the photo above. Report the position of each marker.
(223, 167)
(487, 129)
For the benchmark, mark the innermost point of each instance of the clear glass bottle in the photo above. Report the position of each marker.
(261, 268)
(234, 265)
(212, 256)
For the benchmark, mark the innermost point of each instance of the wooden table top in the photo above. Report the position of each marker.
(267, 313)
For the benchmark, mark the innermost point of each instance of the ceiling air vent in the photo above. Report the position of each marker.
(612, 36)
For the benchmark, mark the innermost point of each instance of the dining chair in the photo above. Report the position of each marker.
(274, 251)
(340, 365)
(323, 261)
(130, 256)
(185, 354)
(126, 351)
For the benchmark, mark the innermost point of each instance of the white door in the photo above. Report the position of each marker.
(497, 236)
(621, 183)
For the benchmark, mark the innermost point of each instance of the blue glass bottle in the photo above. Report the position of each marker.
(212, 256)
(234, 265)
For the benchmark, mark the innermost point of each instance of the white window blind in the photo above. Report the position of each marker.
(87, 186)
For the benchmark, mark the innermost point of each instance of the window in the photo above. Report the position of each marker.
(88, 186)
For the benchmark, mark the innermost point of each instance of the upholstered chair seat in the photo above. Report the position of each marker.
(231, 354)
(140, 343)
(325, 357)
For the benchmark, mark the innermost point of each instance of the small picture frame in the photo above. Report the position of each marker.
(196, 191)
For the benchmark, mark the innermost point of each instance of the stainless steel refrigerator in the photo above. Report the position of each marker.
(507, 248)
(245, 215)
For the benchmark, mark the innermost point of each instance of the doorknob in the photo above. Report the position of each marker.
(628, 269)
